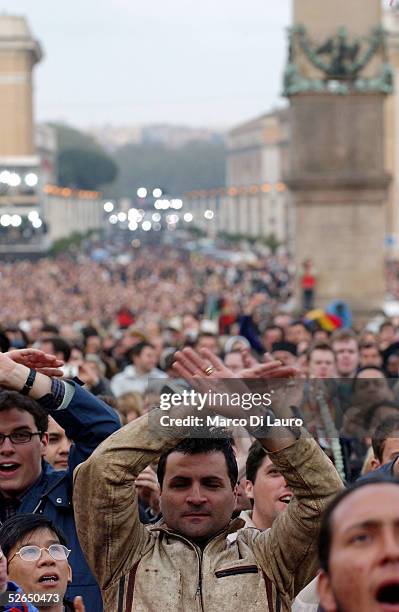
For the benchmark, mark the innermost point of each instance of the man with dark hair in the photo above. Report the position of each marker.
(48, 330)
(370, 386)
(207, 340)
(369, 355)
(298, 332)
(266, 487)
(272, 334)
(286, 352)
(37, 558)
(195, 446)
(187, 562)
(359, 549)
(58, 447)
(55, 345)
(385, 442)
(346, 348)
(321, 361)
(28, 484)
(135, 377)
(10, 590)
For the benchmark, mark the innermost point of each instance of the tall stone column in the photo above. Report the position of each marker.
(337, 78)
(19, 52)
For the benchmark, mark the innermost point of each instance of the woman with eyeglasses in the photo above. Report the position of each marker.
(34, 554)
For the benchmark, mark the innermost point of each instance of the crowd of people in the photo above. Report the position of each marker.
(102, 509)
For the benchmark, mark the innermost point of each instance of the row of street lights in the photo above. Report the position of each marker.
(138, 218)
(15, 220)
(134, 217)
(13, 179)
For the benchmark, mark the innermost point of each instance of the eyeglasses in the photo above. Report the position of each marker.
(58, 552)
(20, 437)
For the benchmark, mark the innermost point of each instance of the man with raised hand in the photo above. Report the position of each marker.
(186, 562)
(28, 484)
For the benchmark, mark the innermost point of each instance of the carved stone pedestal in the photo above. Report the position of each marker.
(337, 79)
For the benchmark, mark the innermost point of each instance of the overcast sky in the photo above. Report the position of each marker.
(127, 62)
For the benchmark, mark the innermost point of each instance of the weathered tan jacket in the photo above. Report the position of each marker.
(157, 570)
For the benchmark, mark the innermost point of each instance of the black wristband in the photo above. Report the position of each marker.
(29, 382)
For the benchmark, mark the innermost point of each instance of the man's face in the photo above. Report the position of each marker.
(45, 575)
(370, 356)
(347, 355)
(371, 387)
(20, 464)
(234, 362)
(364, 557)
(297, 334)
(322, 364)
(190, 323)
(269, 492)
(93, 344)
(57, 451)
(208, 342)
(47, 346)
(271, 336)
(196, 498)
(286, 358)
(76, 357)
(387, 334)
(391, 448)
(146, 361)
(35, 329)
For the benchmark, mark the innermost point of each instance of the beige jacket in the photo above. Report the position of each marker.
(307, 600)
(156, 570)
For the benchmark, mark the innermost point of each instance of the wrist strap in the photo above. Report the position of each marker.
(29, 382)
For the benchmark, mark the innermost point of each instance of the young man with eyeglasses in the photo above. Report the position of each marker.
(36, 555)
(28, 484)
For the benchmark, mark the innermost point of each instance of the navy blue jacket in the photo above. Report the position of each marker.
(87, 421)
(384, 470)
(16, 607)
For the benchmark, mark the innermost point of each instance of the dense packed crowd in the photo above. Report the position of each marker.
(155, 520)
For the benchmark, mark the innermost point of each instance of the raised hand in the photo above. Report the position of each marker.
(38, 360)
(189, 364)
(269, 371)
(148, 488)
(206, 372)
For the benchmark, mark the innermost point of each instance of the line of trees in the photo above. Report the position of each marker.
(84, 164)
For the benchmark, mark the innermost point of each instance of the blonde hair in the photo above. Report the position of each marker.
(130, 402)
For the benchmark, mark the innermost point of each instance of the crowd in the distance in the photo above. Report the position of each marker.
(147, 510)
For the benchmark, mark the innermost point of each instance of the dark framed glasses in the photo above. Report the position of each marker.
(58, 552)
(20, 437)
